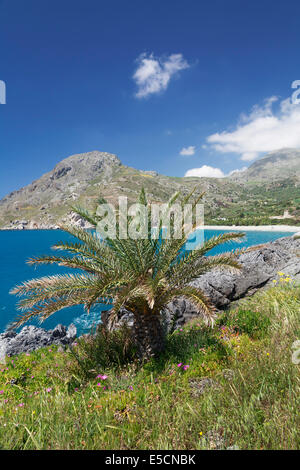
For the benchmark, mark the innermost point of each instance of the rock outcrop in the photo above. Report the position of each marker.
(31, 338)
(260, 265)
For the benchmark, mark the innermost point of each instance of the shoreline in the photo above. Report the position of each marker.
(241, 228)
(254, 228)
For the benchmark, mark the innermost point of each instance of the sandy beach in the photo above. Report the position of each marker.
(258, 228)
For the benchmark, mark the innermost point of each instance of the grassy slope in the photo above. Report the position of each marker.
(239, 203)
(254, 405)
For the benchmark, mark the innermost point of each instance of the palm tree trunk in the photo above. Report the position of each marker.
(148, 335)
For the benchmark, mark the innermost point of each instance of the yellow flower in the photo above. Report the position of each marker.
(200, 433)
(280, 273)
(274, 281)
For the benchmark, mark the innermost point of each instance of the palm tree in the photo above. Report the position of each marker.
(140, 275)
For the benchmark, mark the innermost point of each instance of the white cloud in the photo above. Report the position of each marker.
(263, 130)
(210, 172)
(188, 150)
(206, 172)
(154, 74)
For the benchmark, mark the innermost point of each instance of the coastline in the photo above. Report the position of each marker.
(254, 228)
(241, 228)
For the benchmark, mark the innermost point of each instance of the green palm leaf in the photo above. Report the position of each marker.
(141, 275)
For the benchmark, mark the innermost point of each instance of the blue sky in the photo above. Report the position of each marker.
(166, 85)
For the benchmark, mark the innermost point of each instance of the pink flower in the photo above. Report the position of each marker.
(21, 404)
(131, 387)
(180, 364)
(102, 377)
(1, 392)
(48, 389)
(185, 367)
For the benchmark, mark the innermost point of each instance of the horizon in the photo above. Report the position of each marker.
(181, 89)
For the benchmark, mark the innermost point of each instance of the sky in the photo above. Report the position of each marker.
(187, 87)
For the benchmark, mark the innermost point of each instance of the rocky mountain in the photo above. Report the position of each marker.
(268, 187)
(274, 166)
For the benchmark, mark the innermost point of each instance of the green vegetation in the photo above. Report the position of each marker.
(257, 204)
(140, 275)
(231, 386)
(268, 188)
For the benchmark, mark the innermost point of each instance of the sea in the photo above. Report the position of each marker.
(18, 246)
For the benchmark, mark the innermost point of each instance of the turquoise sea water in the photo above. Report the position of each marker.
(18, 246)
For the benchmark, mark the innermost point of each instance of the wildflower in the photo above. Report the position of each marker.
(186, 367)
(48, 389)
(102, 377)
(200, 433)
(21, 405)
(180, 364)
(1, 392)
(131, 387)
(280, 273)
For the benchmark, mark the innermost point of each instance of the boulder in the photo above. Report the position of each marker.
(31, 338)
(260, 265)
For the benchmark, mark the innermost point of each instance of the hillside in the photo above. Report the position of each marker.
(267, 188)
(277, 165)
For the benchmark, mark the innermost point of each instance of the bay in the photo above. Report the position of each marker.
(18, 246)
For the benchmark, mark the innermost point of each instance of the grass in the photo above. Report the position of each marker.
(241, 389)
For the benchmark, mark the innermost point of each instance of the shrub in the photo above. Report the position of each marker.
(101, 350)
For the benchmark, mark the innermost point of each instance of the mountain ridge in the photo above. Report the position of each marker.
(81, 178)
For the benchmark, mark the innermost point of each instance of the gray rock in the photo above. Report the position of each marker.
(71, 332)
(31, 338)
(260, 265)
(59, 331)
